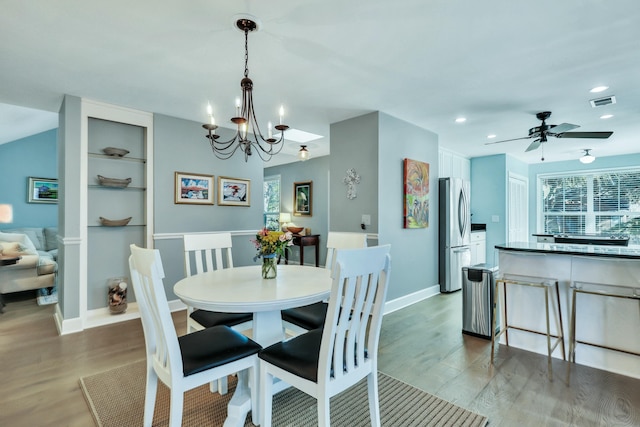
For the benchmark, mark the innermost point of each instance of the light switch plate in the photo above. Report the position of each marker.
(366, 219)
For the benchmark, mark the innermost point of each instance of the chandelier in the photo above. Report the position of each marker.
(248, 137)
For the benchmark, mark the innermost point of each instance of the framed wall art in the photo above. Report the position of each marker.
(302, 198)
(234, 191)
(416, 194)
(193, 188)
(42, 190)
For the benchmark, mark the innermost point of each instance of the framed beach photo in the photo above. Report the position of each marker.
(234, 191)
(42, 190)
(193, 188)
(302, 198)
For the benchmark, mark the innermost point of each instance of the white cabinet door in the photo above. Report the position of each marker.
(478, 247)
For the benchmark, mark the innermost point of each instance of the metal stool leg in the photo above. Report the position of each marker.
(564, 356)
(546, 310)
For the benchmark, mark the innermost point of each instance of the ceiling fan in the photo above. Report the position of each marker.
(558, 131)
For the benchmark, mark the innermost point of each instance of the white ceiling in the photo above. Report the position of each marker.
(427, 62)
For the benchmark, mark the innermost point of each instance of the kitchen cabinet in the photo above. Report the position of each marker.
(478, 247)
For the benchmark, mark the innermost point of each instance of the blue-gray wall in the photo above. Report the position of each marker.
(317, 171)
(180, 146)
(414, 251)
(627, 160)
(489, 181)
(34, 156)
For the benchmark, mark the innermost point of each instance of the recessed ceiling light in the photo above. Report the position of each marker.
(461, 120)
(491, 136)
(598, 89)
(606, 116)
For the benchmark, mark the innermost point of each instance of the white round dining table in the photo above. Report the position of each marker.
(242, 290)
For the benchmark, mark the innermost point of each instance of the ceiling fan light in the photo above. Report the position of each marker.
(587, 158)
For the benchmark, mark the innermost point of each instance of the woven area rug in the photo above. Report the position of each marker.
(116, 398)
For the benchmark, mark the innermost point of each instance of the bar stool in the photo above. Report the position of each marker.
(544, 283)
(623, 291)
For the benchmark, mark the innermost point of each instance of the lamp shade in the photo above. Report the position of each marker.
(285, 217)
(6, 213)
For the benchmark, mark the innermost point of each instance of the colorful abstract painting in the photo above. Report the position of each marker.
(416, 194)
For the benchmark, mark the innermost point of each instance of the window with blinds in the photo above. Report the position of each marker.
(598, 202)
(271, 193)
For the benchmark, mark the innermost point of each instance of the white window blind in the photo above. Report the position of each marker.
(599, 202)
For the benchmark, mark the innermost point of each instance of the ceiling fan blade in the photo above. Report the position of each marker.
(534, 145)
(508, 140)
(561, 128)
(599, 135)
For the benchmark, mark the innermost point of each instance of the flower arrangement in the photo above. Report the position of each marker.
(269, 242)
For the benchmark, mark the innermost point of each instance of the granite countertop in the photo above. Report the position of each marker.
(568, 249)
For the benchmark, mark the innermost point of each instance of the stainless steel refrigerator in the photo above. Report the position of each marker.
(454, 233)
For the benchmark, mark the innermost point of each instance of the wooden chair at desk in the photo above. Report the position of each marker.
(186, 362)
(299, 320)
(327, 361)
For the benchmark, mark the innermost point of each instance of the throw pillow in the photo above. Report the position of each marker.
(11, 249)
(27, 245)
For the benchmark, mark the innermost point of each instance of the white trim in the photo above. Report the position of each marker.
(172, 236)
(66, 326)
(410, 299)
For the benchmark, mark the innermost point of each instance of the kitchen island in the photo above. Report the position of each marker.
(611, 322)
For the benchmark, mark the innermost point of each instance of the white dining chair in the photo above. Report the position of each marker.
(299, 320)
(327, 361)
(186, 362)
(209, 252)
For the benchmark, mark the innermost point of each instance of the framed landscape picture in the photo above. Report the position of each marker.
(302, 198)
(193, 188)
(234, 191)
(42, 190)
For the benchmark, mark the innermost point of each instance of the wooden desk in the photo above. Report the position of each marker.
(302, 241)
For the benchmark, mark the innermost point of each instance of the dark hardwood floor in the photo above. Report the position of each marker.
(421, 345)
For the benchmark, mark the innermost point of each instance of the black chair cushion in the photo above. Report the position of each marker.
(212, 347)
(308, 317)
(298, 355)
(215, 318)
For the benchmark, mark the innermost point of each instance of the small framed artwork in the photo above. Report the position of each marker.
(416, 194)
(193, 188)
(302, 198)
(42, 190)
(234, 191)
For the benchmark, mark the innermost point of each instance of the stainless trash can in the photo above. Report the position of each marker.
(478, 285)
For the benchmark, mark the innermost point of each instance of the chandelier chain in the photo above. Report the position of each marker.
(248, 137)
(246, 53)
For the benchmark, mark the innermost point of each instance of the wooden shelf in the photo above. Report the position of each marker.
(104, 187)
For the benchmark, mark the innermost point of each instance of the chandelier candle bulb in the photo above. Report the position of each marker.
(269, 131)
(281, 113)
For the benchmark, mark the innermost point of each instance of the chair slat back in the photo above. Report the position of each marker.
(209, 252)
(161, 340)
(339, 240)
(352, 328)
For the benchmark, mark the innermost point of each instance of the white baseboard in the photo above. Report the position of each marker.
(407, 300)
(66, 326)
(103, 317)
